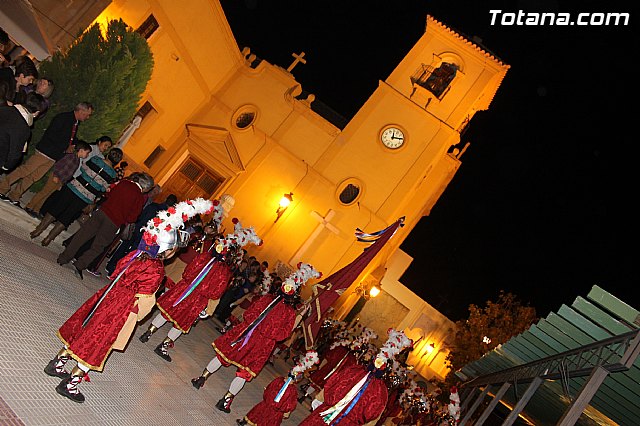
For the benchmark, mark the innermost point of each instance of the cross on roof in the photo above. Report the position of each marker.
(298, 58)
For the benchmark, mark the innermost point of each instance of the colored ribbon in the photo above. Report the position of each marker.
(337, 366)
(370, 237)
(196, 281)
(352, 396)
(354, 402)
(283, 389)
(246, 334)
(95, 308)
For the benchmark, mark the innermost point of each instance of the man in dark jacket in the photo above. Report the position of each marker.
(15, 129)
(59, 137)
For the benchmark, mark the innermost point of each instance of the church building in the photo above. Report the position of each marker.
(217, 119)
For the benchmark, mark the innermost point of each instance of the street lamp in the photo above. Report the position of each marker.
(282, 206)
(374, 291)
(365, 293)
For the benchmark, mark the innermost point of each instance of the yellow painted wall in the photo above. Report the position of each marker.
(202, 78)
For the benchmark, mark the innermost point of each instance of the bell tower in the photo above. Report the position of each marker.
(448, 76)
(398, 148)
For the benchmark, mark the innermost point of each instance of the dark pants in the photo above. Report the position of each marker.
(223, 310)
(101, 229)
(123, 249)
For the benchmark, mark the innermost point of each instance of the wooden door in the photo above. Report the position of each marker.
(192, 180)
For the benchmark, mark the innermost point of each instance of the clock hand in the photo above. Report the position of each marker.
(393, 137)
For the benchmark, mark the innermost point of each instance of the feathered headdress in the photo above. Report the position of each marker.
(265, 285)
(363, 339)
(217, 213)
(296, 280)
(342, 338)
(160, 233)
(240, 238)
(395, 343)
(309, 360)
(454, 404)
(306, 362)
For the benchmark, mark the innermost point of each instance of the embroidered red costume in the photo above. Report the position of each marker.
(114, 320)
(212, 286)
(276, 325)
(270, 413)
(338, 355)
(370, 405)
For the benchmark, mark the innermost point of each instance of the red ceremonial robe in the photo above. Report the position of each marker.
(270, 413)
(92, 344)
(368, 408)
(393, 407)
(333, 357)
(212, 286)
(277, 325)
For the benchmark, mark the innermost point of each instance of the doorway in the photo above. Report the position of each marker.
(192, 180)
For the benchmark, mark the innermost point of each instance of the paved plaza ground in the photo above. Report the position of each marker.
(136, 388)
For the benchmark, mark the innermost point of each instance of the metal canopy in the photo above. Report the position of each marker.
(577, 366)
(18, 18)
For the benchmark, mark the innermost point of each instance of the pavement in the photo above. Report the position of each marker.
(137, 387)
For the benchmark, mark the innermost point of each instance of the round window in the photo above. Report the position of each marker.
(349, 191)
(244, 117)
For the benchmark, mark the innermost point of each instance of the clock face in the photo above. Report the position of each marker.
(392, 137)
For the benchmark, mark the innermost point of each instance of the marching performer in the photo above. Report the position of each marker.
(249, 344)
(203, 281)
(107, 320)
(358, 394)
(279, 398)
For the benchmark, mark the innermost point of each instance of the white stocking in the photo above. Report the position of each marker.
(213, 365)
(236, 385)
(83, 367)
(158, 321)
(174, 333)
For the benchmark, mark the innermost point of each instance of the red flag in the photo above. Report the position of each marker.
(327, 291)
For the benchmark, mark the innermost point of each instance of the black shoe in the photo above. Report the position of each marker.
(77, 272)
(241, 422)
(62, 390)
(3, 197)
(162, 352)
(50, 369)
(144, 338)
(198, 382)
(94, 273)
(225, 403)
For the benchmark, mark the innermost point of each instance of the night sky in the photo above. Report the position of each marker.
(543, 203)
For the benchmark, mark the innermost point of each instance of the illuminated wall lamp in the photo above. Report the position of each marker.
(374, 291)
(282, 206)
